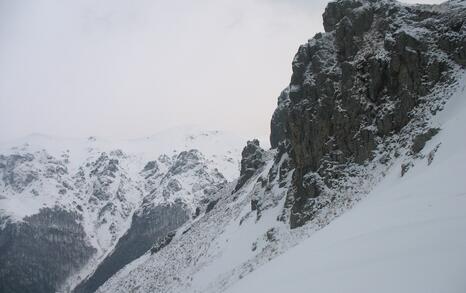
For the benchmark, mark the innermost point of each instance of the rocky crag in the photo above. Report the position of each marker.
(357, 86)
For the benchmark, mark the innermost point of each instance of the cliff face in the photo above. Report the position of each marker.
(357, 86)
(251, 161)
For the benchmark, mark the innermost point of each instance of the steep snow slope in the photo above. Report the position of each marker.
(406, 236)
(409, 235)
(205, 251)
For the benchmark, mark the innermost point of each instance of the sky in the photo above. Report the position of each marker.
(128, 69)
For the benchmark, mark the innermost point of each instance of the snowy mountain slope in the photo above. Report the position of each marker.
(202, 250)
(363, 114)
(362, 110)
(225, 245)
(405, 224)
(180, 192)
(53, 165)
(408, 235)
(100, 186)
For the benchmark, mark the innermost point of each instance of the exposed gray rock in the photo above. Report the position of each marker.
(211, 205)
(420, 140)
(277, 124)
(356, 85)
(174, 185)
(151, 166)
(18, 171)
(186, 160)
(335, 11)
(431, 154)
(161, 243)
(252, 160)
(405, 168)
(187, 163)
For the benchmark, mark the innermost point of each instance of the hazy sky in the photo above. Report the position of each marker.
(126, 68)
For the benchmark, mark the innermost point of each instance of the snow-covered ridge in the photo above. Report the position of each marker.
(217, 146)
(43, 162)
(104, 182)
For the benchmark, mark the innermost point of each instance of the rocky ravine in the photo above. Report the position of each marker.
(85, 213)
(362, 96)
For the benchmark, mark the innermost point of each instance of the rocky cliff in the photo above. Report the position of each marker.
(357, 86)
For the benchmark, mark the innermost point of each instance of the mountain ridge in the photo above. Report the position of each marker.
(102, 189)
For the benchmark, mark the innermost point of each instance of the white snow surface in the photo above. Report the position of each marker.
(408, 235)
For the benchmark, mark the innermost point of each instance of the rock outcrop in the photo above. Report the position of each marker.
(251, 161)
(359, 83)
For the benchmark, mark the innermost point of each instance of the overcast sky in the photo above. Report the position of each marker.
(127, 69)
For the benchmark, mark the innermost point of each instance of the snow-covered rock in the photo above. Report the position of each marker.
(109, 190)
(408, 235)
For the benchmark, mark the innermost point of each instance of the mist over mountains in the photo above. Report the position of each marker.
(360, 190)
